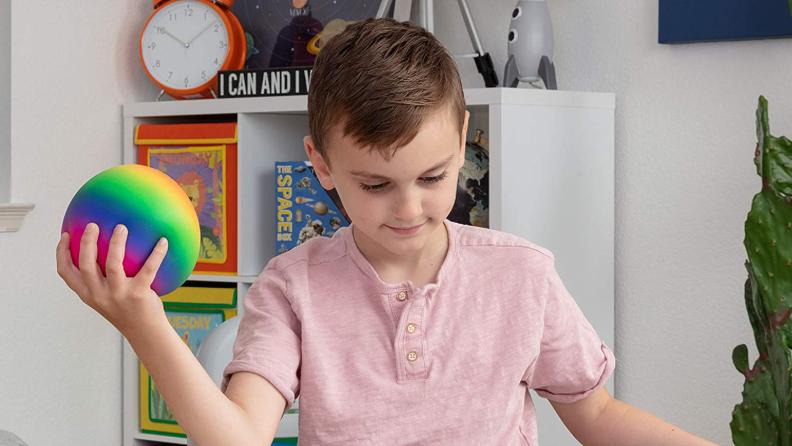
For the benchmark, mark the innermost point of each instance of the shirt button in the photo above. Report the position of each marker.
(411, 328)
(412, 356)
(402, 295)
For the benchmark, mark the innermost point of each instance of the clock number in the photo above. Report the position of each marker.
(188, 12)
(170, 74)
(172, 16)
(153, 45)
(222, 44)
(217, 28)
(186, 81)
(216, 62)
(203, 74)
(160, 30)
(157, 63)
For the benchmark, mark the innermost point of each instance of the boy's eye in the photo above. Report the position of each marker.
(377, 188)
(435, 179)
(373, 187)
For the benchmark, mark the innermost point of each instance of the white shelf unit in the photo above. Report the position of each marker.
(551, 182)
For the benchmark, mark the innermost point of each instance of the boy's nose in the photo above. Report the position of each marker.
(408, 206)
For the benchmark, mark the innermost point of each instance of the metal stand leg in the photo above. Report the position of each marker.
(426, 19)
(383, 8)
(161, 93)
(483, 59)
(429, 14)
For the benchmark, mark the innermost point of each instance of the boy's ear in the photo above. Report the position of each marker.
(320, 167)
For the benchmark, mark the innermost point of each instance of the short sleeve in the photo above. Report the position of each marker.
(268, 341)
(573, 362)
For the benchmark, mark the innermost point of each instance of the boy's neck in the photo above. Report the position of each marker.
(420, 268)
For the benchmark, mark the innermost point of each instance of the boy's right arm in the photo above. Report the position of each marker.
(250, 410)
(247, 414)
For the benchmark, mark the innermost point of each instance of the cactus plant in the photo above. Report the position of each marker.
(763, 417)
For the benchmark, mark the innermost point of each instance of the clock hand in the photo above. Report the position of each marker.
(174, 37)
(202, 31)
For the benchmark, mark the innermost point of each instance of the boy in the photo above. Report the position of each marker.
(404, 328)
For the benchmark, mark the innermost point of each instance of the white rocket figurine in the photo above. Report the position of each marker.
(530, 47)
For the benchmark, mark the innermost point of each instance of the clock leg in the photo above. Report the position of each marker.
(214, 95)
(162, 92)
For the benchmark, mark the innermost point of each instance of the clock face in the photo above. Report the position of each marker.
(185, 44)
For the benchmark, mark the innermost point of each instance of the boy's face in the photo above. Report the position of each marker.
(396, 204)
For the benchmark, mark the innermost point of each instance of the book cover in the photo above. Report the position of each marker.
(304, 208)
(202, 158)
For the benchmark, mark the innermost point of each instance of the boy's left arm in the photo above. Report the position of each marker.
(600, 420)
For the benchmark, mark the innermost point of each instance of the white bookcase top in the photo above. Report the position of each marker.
(299, 104)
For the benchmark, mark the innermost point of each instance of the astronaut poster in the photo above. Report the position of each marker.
(290, 33)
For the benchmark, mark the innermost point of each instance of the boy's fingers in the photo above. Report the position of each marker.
(66, 269)
(89, 269)
(146, 275)
(115, 258)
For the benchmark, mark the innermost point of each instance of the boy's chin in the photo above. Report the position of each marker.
(400, 244)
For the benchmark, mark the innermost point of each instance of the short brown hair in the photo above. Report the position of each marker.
(382, 79)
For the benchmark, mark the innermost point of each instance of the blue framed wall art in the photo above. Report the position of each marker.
(687, 21)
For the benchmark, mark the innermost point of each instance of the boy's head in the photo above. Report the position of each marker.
(387, 118)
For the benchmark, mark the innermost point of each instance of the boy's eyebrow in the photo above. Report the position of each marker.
(373, 176)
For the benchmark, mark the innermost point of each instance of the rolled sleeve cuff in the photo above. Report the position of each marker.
(279, 384)
(605, 371)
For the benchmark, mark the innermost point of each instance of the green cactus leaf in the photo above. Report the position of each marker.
(753, 425)
(740, 358)
(768, 242)
(759, 389)
(776, 359)
(762, 132)
(768, 228)
(772, 155)
(787, 332)
(751, 304)
(758, 414)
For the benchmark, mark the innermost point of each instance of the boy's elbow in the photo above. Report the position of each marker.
(588, 417)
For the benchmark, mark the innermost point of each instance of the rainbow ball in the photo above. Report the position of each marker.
(151, 205)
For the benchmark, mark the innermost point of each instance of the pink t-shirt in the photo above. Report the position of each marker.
(449, 363)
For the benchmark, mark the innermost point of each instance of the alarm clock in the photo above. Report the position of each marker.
(186, 42)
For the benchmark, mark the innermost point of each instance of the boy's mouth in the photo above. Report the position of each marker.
(406, 230)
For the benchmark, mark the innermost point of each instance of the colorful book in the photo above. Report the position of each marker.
(202, 158)
(304, 209)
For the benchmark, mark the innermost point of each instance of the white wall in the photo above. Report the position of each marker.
(5, 100)
(74, 64)
(684, 141)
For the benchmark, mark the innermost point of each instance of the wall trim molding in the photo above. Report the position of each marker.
(12, 214)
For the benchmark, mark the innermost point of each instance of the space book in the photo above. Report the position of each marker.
(304, 209)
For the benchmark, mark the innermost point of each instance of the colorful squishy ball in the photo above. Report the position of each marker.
(151, 205)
